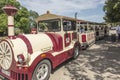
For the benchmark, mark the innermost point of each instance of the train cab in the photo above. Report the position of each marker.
(65, 27)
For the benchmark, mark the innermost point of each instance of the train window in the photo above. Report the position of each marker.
(86, 28)
(69, 25)
(96, 28)
(78, 23)
(82, 30)
(91, 28)
(102, 28)
(49, 25)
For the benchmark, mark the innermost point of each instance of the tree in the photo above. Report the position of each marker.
(112, 11)
(22, 19)
(32, 17)
(3, 23)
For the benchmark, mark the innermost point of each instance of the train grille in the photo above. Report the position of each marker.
(19, 76)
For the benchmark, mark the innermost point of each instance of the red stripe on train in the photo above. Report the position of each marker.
(27, 42)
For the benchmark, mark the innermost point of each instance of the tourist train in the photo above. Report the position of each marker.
(89, 32)
(56, 39)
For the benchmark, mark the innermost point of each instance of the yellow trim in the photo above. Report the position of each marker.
(43, 55)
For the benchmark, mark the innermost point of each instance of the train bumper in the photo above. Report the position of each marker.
(16, 74)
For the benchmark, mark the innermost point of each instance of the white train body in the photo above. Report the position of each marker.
(86, 39)
(37, 42)
(86, 33)
(30, 45)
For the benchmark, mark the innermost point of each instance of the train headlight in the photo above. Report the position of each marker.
(21, 59)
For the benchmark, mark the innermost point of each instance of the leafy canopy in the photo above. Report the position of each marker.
(23, 18)
(112, 11)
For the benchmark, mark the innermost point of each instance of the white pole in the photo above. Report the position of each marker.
(10, 26)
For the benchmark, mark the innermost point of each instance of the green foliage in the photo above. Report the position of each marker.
(42, 26)
(32, 17)
(23, 18)
(3, 22)
(112, 11)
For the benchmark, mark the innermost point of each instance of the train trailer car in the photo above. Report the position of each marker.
(101, 31)
(34, 56)
(86, 33)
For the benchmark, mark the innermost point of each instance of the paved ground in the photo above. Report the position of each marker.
(100, 62)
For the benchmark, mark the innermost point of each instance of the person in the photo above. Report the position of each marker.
(118, 31)
(82, 30)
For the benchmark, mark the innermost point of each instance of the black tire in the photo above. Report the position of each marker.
(44, 72)
(76, 52)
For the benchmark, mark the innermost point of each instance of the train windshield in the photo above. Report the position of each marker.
(69, 25)
(49, 26)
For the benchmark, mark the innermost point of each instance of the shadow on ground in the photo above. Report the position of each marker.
(100, 62)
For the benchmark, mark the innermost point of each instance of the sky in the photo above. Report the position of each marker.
(90, 10)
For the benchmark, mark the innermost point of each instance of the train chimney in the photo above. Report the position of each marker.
(10, 11)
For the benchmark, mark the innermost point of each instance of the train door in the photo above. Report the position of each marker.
(69, 30)
(67, 34)
(82, 34)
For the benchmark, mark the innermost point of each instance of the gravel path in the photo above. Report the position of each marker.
(100, 62)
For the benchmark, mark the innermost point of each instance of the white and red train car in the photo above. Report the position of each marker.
(89, 32)
(34, 56)
(86, 33)
(101, 30)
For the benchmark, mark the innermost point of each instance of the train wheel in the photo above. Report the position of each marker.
(76, 52)
(42, 71)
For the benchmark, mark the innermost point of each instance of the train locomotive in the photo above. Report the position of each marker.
(34, 56)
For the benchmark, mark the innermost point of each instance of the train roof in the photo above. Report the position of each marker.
(83, 21)
(49, 16)
(90, 22)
